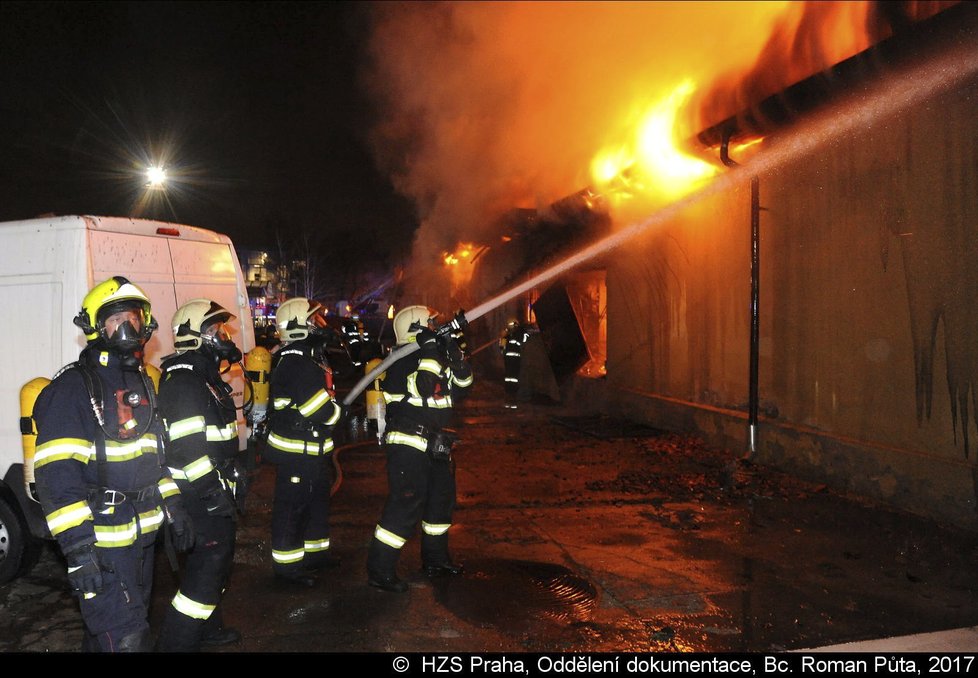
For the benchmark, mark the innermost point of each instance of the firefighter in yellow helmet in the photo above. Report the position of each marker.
(301, 418)
(100, 478)
(420, 390)
(201, 422)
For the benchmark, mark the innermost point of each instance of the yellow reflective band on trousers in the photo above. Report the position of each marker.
(317, 545)
(398, 438)
(299, 446)
(288, 557)
(191, 608)
(61, 449)
(389, 538)
(68, 517)
(434, 530)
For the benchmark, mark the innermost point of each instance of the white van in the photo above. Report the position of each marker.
(47, 266)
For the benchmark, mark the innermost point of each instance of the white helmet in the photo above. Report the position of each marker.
(410, 320)
(296, 317)
(193, 318)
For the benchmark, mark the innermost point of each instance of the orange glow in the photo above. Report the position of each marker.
(462, 254)
(460, 264)
(650, 162)
(526, 103)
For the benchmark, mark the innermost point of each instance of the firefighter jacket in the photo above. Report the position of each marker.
(201, 421)
(420, 390)
(93, 487)
(513, 341)
(303, 411)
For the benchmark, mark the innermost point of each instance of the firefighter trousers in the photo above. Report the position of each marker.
(120, 611)
(418, 489)
(194, 611)
(300, 512)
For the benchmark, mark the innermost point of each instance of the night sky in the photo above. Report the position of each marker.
(255, 108)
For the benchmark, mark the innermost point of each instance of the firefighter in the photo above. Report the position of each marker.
(420, 390)
(511, 345)
(201, 423)
(100, 477)
(301, 419)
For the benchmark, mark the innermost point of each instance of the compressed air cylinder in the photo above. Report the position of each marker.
(258, 365)
(376, 408)
(28, 431)
(154, 374)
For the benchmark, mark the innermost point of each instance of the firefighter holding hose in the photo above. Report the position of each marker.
(420, 391)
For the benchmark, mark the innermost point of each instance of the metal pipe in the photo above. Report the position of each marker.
(753, 397)
(755, 286)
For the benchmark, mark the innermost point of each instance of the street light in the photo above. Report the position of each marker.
(156, 178)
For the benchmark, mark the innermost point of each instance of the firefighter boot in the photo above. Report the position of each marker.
(135, 642)
(323, 560)
(382, 568)
(214, 633)
(435, 559)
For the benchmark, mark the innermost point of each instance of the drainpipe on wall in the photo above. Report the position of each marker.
(755, 287)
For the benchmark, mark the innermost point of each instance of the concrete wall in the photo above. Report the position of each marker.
(869, 313)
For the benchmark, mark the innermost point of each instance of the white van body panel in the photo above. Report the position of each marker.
(48, 265)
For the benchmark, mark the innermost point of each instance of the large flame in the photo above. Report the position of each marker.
(652, 163)
(491, 106)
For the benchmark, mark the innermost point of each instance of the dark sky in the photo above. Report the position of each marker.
(256, 105)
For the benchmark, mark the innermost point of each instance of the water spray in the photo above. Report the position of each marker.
(895, 94)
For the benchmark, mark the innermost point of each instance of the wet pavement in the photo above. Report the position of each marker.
(579, 535)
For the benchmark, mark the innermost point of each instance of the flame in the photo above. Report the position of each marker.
(651, 162)
(462, 254)
(487, 107)
(390, 312)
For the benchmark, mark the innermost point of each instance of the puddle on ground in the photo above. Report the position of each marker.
(517, 595)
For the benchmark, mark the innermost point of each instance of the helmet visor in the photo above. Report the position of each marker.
(112, 316)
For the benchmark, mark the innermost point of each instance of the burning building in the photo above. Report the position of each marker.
(807, 290)
(852, 343)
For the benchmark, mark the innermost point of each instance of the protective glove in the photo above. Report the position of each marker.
(84, 570)
(236, 479)
(426, 337)
(216, 491)
(458, 323)
(453, 352)
(181, 526)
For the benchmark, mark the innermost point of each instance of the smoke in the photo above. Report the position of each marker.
(490, 106)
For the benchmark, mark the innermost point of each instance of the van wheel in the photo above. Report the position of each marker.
(18, 549)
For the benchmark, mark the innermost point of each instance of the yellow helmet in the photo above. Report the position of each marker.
(297, 317)
(193, 318)
(108, 297)
(410, 320)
